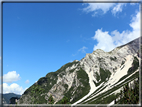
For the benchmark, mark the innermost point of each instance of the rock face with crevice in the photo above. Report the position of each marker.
(80, 80)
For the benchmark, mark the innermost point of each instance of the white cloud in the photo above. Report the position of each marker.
(98, 8)
(107, 41)
(27, 81)
(104, 44)
(11, 76)
(95, 7)
(13, 88)
(118, 8)
(135, 22)
(83, 49)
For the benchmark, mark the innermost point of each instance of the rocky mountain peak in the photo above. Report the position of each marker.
(98, 51)
(80, 80)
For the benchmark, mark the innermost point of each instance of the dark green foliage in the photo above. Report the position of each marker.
(104, 94)
(50, 100)
(130, 95)
(82, 76)
(103, 75)
(52, 74)
(98, 90)
(37, 89)
(65, 66)
(66, 86)
(41, 100)
(42, 86)
(80, 91)
(135, 66)
(35, 93)
(12, 100)
(69, 93)
(65, 100)
(97, 76)
(122, 78)
(42, 80)
(105, 100)
(114, 59)
(71, 71)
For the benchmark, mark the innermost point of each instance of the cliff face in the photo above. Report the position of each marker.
(84, 81)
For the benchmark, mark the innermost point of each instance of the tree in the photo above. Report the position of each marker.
(51, 100)
(65, 100)
(130, 95)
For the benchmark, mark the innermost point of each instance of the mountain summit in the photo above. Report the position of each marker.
(97, 78)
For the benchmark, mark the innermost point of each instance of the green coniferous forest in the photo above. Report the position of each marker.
(129, 95)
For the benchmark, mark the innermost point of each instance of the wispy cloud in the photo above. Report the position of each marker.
(108, 41)
(11, 76)
(103, 8)
(27, 81)
(95, 7)
(118, 8)
(82, 50)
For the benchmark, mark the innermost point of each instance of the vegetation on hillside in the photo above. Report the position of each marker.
(50, 100)
(129, 95)
(64, 100)
(106, 97)
(80, 91)
(38, 91)
(104, 74)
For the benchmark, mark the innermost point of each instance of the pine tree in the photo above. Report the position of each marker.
(130, 95)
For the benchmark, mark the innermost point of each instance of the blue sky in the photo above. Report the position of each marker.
(41, 37)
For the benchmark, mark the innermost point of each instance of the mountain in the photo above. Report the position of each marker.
(95, 79)
(7, 96)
